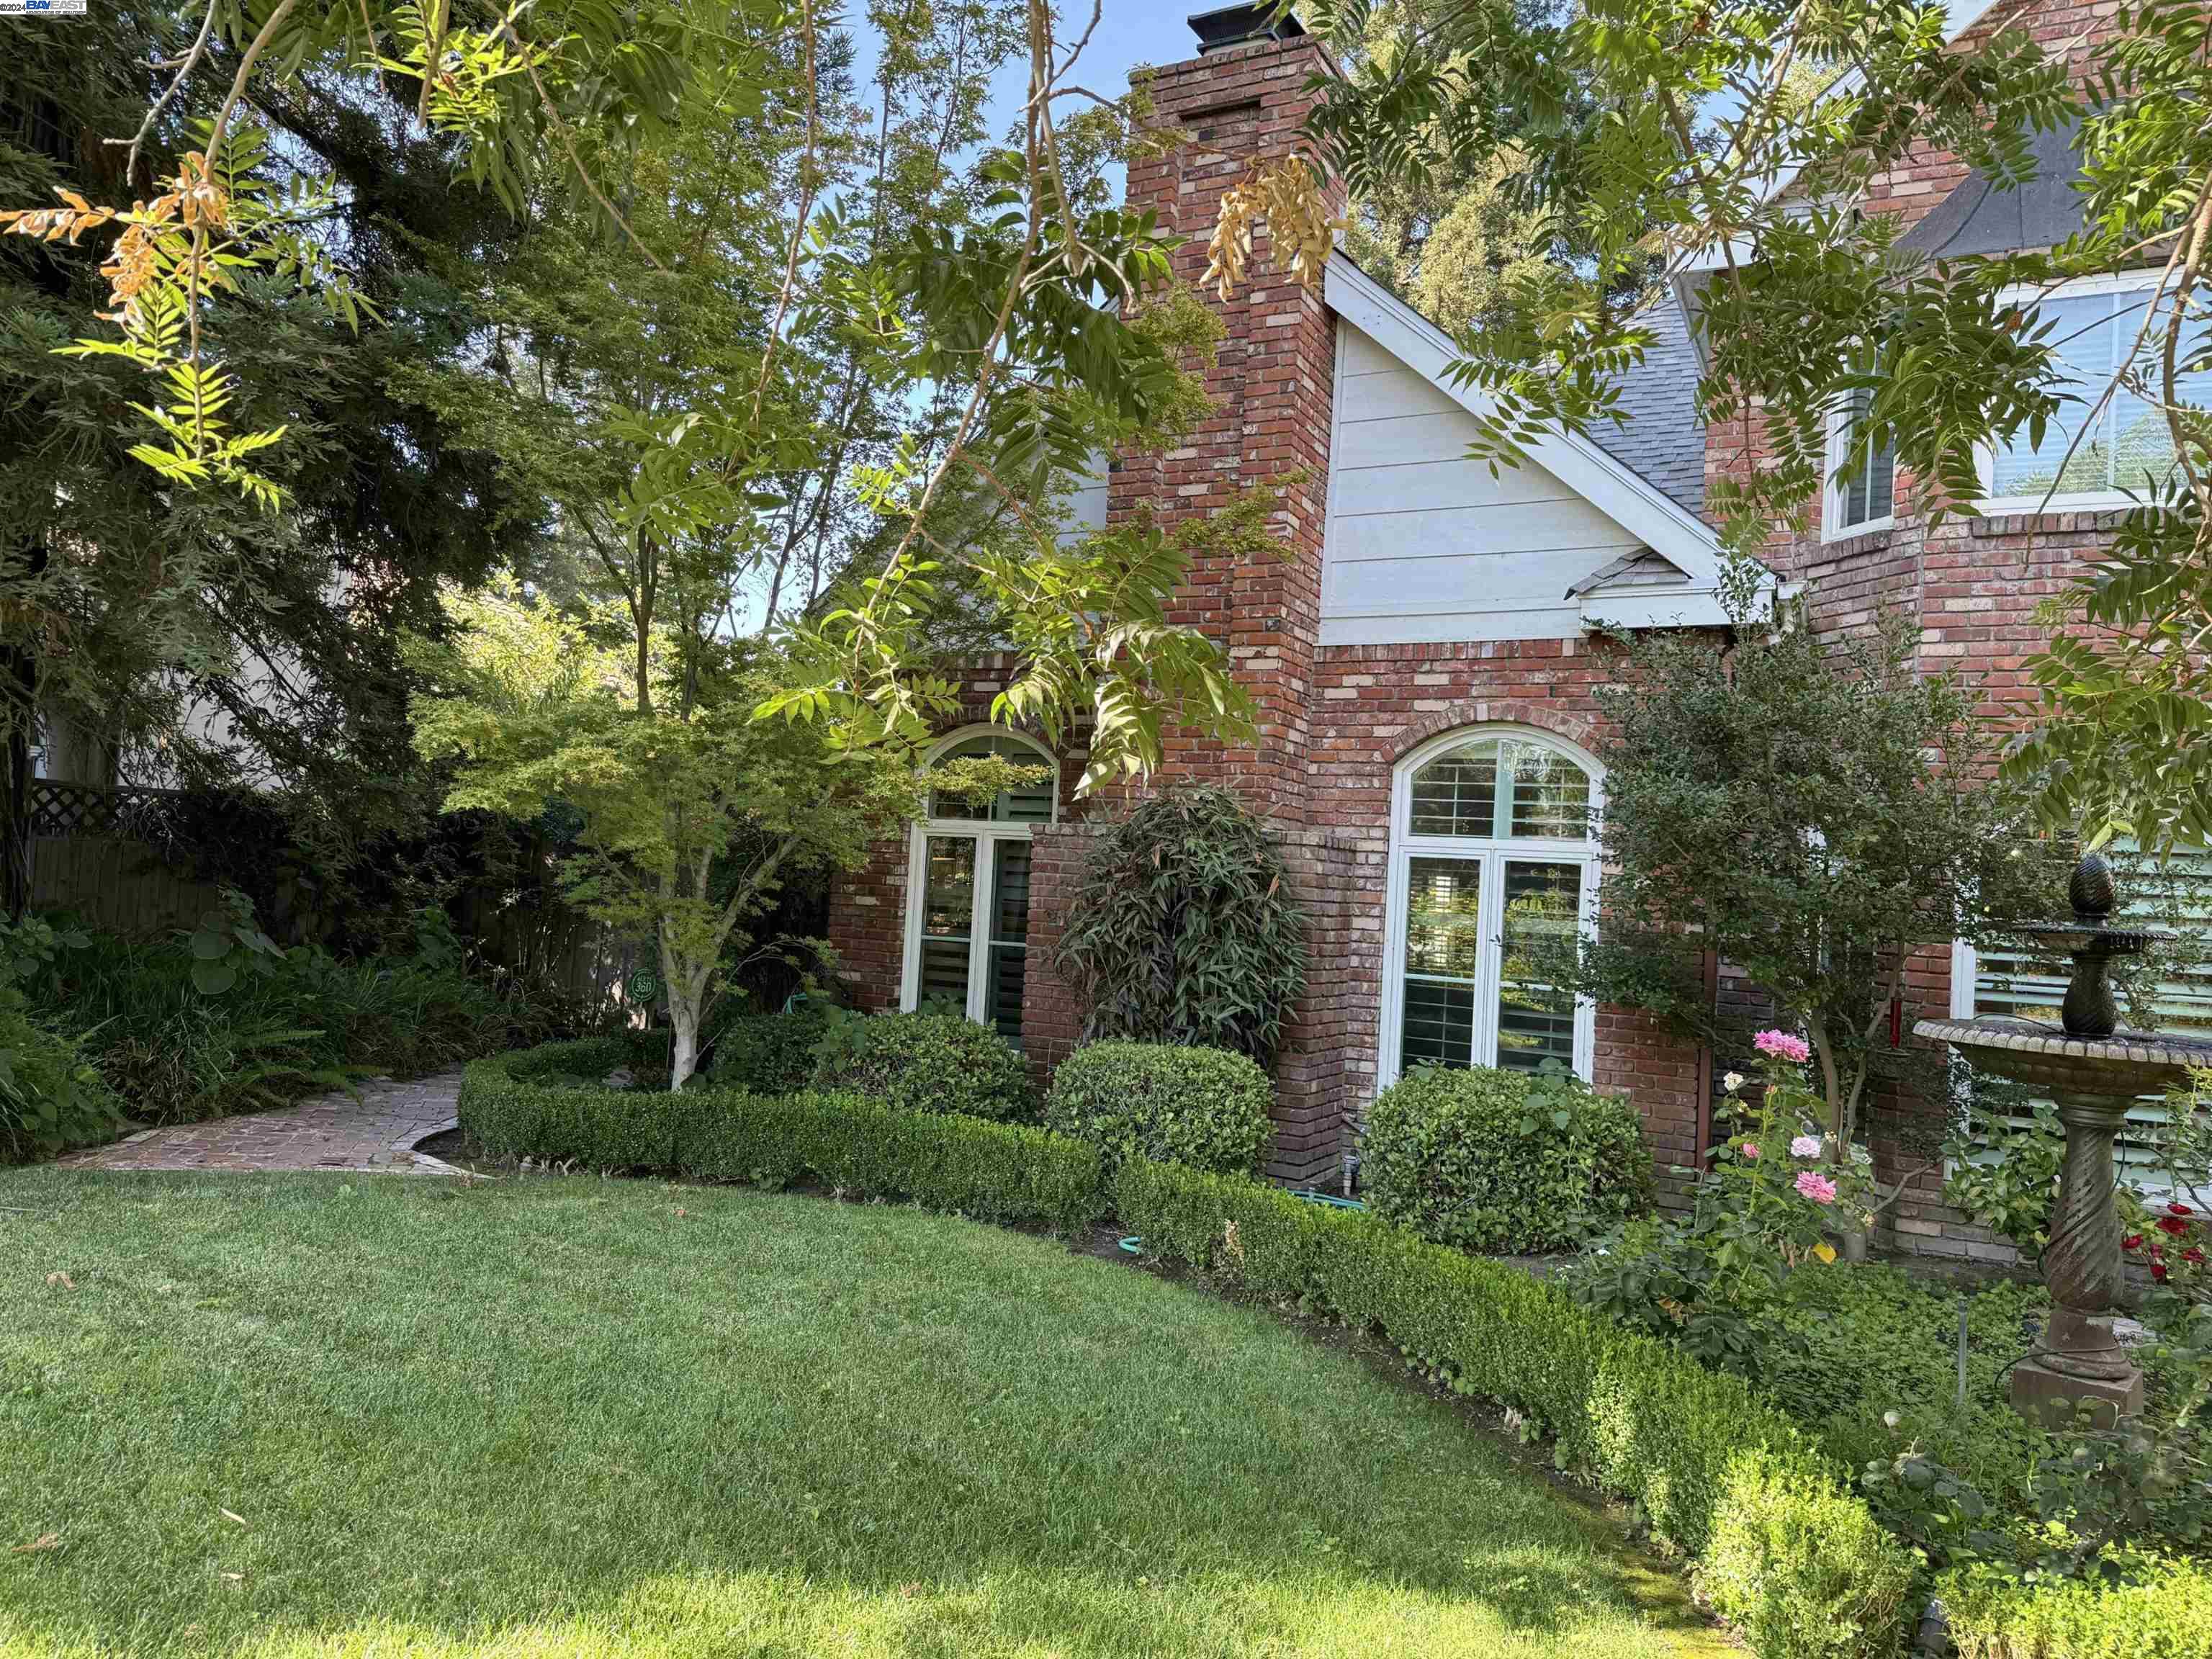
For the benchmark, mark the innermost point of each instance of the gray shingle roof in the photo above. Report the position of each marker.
(1976, 217)
(1664, 440)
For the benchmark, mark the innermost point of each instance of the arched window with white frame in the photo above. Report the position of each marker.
(1492, 883)
(968, 887)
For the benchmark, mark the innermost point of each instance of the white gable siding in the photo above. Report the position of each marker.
(1084, 513)
(1424, 544)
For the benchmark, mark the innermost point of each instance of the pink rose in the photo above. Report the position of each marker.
(1819, 1188)
(1805, 1146)
(1751, 1150)
(1780, 1045)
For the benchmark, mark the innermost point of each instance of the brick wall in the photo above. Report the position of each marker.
(866, 919)
(1377, 703)
(1270, 382)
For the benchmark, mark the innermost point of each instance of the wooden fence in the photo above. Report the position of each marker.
(114, 886)
(87, 858)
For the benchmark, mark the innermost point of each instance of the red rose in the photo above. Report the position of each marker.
(2158, 1271)
(2132, 1241)
(2193, 1256)
(2173, 1224)
(2179, 1209)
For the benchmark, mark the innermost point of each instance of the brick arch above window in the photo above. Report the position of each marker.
(1548, 718)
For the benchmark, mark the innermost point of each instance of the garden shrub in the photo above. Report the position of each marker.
(1501, 1161)
(925, 1063)
(1203, 1107)
(52, 1098)
(1802, 1576)
(769, 1054)
(1718, 1472)
(1184, 931)
(278, 1024)
(990, 1171)
(2158, 1607)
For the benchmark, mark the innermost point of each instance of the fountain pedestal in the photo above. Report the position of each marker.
(2078, 1361)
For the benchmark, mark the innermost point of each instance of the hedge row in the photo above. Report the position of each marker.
(1798, 1565)
(991, 1171)
(2163, 1612)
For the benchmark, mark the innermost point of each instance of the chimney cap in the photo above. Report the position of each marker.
(1241, 26)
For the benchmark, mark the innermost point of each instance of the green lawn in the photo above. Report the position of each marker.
(585, 1417)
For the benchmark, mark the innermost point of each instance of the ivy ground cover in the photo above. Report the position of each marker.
(543, 1417)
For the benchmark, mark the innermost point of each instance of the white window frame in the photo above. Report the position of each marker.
(1494, 852)
(1993, 505)
(986, 833)
(1833, 527)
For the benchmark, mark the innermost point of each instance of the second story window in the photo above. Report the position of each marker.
(2094, 455)
(1862, 475)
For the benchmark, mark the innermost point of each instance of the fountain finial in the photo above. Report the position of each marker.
(2092, 889)
(2090, 1009)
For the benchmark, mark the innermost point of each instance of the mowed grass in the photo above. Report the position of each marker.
(576, 1417)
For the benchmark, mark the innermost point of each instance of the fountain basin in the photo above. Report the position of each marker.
(2043, 1056)
(2093, 1079)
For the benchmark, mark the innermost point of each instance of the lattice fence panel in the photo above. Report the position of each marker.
(84, 808)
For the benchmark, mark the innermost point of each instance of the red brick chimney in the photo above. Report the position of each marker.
(1242, 101)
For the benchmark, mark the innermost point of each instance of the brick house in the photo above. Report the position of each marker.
(1424, 665)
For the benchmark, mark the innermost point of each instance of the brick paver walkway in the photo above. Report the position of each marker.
(375, 1130)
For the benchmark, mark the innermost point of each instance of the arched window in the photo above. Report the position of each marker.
(1493, 875)
(967, 886)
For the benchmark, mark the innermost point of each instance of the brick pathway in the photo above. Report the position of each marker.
(375, 1130)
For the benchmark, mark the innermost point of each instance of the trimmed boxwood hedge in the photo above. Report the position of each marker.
(1205, 1108)
(768, 1054)
(1502, 1161)
(991, 1172)
(2162, 1610)
(917, 1062)
(1784, 1551)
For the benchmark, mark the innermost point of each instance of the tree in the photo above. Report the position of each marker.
(1665, 126)
(184, 636)
(1814, 814)
(661, 393)
(1455, 235)
(690, 825)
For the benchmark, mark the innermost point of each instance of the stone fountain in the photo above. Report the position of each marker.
(2093, 1070)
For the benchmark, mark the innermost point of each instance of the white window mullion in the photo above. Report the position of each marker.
(917, 879)
(1586, 1009)
(1490, 966)
(1395, 904)
(979, 928)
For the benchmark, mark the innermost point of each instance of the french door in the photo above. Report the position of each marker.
(1480, 960)
(966, 954)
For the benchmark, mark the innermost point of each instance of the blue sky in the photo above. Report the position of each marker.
(1129, 31)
